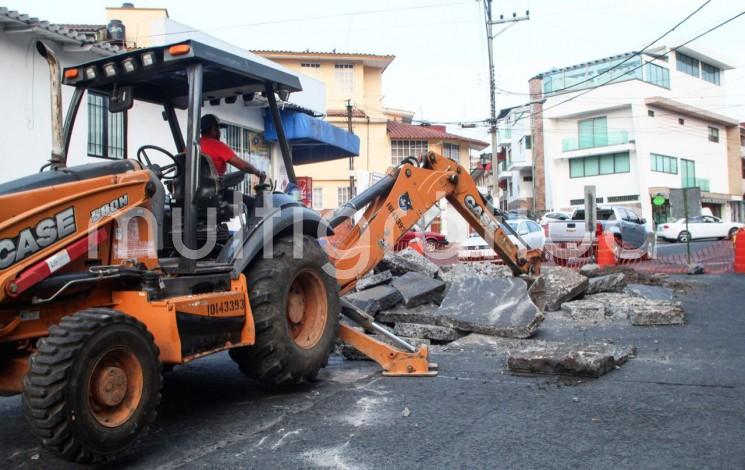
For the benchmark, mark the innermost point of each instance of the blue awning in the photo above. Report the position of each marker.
(311, 139)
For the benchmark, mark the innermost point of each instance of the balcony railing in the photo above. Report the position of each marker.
(701, 183)
(602, 140)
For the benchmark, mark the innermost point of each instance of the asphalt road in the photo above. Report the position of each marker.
(673, 248)
(678, 404)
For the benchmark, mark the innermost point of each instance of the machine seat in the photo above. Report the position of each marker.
(68, 175)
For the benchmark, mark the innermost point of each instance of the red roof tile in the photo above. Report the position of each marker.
(358, 113)
(400, 130)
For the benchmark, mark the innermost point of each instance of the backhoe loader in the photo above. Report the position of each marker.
(113, 272)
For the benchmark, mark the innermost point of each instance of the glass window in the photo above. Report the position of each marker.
(106, 131)
(344, 77)
(687, 173)
(606, 165)
(576, 168)
(621, 163)
(342, 195)
(591, 166)
(663, 164)
(710, 73)
(713, 134)
(528, 142)
(317, 198)
(250, 146)
(534, 227)
(593, 132)
(658, 75)
(687, 64)
(452, 151)
(401, 149)
(599, 165)
(312, 69)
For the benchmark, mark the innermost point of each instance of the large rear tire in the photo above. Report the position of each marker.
(295, 305)
(93, 385)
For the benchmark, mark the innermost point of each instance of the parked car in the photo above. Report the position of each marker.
(476, 248)
(549, 217)
(432, 240)
(705, 226)
(631, 233)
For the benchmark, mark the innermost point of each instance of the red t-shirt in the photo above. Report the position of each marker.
(218, 152)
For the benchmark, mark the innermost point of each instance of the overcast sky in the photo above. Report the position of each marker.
(441, 68)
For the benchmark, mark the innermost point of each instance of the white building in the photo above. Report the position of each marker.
(656, 121)
(515, 174)
(26, 124)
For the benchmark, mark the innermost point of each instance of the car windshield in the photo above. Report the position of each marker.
(603, 214)
(513, 225)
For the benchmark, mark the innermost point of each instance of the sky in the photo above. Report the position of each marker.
(441, 66)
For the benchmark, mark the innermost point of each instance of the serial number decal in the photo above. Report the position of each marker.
(226, 306)
(396, 217)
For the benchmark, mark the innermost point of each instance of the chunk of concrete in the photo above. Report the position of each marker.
(586, 360)
(424, 314)
(404, 261)
(417, 289)
(492, 306)
(589, 269)
(608, 283)
(353, 354)
(562, 285)
(479, 268)
(375, 299)
(657, 312)
(650, 292)
(436, 333)
(374, 279)
(584, 310)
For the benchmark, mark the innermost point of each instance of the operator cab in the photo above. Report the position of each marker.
(181, 78)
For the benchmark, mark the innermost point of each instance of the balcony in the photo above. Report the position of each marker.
(702, 183)
(607, 139)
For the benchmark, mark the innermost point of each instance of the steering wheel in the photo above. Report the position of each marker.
(167, 172)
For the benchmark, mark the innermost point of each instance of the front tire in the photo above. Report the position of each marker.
(731, 233)
(684, 236)
(295, 305)
(93, 385)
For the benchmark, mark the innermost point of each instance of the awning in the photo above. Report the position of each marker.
(311, 139)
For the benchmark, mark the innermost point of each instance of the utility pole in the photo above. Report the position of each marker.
(351, 158)
(492, 82)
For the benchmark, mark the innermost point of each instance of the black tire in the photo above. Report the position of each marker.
(58, 400)
(431, 245)
(278, 358)
(683, 237)
(731, 233)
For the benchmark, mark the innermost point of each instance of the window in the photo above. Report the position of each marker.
(710, 73)
(687, 64)
(681, 121)
(107, 132)
(342, 194)
(593, 132)
(528, 142)
(687, 173)
(401, 149)
(312, 69)
(344, 77)
(650, 112)
(452, 151)
(527, 179)
(317, 198)
(250, 146)
(743, 169)
(664, 164)
(599, 165)
(657, 75)
(625, 198)
(713, 134)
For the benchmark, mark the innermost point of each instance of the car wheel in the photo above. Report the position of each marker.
(684, 236)
(430, 245)
(731, 233)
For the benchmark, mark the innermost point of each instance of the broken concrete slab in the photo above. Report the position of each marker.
(584, 310)
(608, 283)
(650, 292)
(375, 299)
(658, 312)
(562, 285)
(492, 306)
(404, 261)
(435, 333)
(479, 268)
(353, 354)
(374, 279)
(425, 314)
(587, 360)
(417, 289)
(589, 269)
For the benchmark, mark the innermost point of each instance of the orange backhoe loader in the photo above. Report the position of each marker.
(111, 273)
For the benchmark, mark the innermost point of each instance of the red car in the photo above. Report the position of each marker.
(432, 240)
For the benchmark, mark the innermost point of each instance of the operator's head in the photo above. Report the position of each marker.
(210, 126)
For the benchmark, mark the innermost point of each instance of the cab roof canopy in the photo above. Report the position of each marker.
(158, 74)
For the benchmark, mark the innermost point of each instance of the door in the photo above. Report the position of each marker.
(632, 230)
(713, 227)
(695, 227)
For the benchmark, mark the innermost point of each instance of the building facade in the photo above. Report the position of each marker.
(634, 126)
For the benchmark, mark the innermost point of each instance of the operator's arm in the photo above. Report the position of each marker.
(244, 165)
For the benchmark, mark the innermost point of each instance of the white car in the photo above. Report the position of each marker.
(549, 217)
(705, 226)
(476, 248)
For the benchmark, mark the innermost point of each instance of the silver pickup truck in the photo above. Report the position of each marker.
(629, 230)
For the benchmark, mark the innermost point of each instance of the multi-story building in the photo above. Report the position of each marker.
(635, 126)
(387, 135)
(515, 171)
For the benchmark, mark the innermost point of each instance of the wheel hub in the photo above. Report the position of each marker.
(296, 304)
(307, 309)
(110, 386)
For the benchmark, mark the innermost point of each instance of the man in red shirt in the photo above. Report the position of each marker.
(220, 153)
